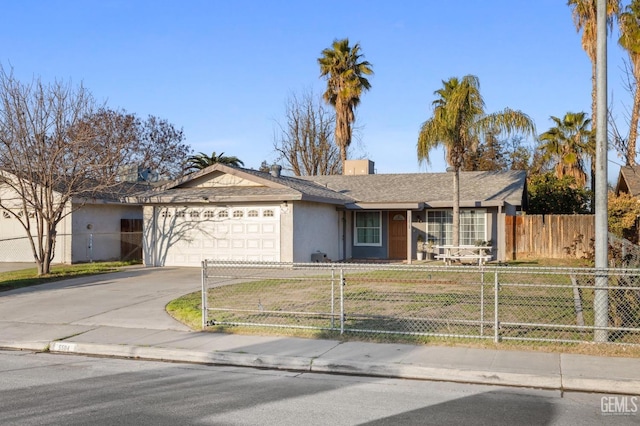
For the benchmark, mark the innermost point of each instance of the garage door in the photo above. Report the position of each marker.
(229, 233)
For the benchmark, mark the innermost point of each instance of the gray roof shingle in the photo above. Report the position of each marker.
(433, 189)
(436, 188)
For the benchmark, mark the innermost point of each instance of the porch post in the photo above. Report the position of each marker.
(409, 236)
(501, 235)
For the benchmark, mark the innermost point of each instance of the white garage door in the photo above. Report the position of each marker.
(229, 233)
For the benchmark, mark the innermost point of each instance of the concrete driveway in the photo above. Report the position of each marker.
(134, 298)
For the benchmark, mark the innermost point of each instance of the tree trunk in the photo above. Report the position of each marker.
(633, 125)
(456, 207)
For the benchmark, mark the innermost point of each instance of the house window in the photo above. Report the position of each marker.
(238, 213)
(252, 213)
(223, 213)
(267, 213)
(368, 229)
(472, 227)
(180, 213)
(194, 214)
(166, 213)
(209, 214)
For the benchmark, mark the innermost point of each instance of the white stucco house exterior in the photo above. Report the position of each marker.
(92, 230)
(228, 213)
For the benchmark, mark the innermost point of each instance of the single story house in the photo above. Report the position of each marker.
(229, 213)
(94, 229)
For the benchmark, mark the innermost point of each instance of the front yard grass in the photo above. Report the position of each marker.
(377, 297)
(29, 277)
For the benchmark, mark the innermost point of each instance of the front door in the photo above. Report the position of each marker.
(397, 235)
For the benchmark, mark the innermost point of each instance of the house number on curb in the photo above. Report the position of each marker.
(64, 347)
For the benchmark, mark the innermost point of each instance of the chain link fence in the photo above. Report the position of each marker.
(479, 302)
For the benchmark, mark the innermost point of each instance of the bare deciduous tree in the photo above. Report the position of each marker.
(305, 142)
(58, 150)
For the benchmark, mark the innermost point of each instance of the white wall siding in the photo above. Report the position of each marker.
(15, 246)
(317, 228)
(96, 231)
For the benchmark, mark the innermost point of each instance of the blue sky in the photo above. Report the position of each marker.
(223, 70)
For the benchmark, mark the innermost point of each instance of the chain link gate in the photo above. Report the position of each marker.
(474, 302)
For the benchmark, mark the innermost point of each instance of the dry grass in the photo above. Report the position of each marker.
(409, 301)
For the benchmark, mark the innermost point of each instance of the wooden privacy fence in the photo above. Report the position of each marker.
(549, 236)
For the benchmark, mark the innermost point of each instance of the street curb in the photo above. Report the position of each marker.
(184, 355)
(624, 387)
(408, 371)
(306, 364)
(37, 346)
(329, 366)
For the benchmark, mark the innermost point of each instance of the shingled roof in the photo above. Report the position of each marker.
(629, 181)
(432, 189)
(414, 190)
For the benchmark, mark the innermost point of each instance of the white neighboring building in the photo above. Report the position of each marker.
(91, 232)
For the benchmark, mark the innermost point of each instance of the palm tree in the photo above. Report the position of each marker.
(344, 71)
(458, 121)
(585, 18)
(567, 144)
(629, 39)
(202, 160)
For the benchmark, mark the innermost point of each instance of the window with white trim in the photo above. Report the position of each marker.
(368, 229)
(473, 228)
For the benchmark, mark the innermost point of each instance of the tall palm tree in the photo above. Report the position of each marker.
(629, 21)
(458, 121)
(585, 18)
(567, 144)
(202, 160)
(345, 71)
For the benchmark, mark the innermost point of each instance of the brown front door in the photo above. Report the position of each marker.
(130, 239)
(397, 235)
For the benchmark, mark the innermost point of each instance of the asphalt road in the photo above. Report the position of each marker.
(43, 388)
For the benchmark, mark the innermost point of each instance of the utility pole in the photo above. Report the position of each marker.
(601, 298)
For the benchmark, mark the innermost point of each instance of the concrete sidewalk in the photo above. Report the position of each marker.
(122, 315)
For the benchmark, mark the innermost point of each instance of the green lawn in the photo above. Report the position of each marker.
(29, 277)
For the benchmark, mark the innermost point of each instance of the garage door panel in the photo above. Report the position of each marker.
(248, 236)
(268, 244)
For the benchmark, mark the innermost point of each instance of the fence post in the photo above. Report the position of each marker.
(333, 297)
(496, 322)
(601, 306)
(482, 301)
(203, 302)
(342, 284)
